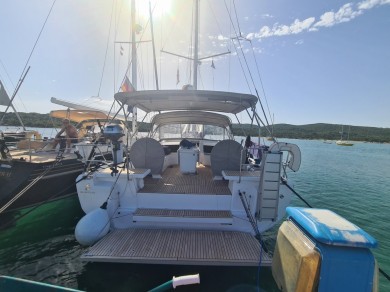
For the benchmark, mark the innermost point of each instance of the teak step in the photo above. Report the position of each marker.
(179, 247)
(190, 216)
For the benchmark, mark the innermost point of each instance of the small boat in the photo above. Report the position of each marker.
(9, 283)
(342, 142)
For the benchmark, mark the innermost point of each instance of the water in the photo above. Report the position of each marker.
(352, 181)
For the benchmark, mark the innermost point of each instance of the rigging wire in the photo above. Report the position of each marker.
(39, 35)
(10, 80)
(238, 38)
(105, 55)
(261, 80)
(25, 69)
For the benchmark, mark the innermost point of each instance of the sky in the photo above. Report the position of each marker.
(310, 61)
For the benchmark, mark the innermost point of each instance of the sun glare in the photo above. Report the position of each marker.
(159, 8)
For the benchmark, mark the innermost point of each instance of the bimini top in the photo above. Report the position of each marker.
(170, 100)
(80, 115)
(191, 117)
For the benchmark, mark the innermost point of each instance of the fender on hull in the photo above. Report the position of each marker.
(92, 227)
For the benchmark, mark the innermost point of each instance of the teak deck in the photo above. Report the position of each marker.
(174, 246)
(174, 182)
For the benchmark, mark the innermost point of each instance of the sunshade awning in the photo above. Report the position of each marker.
(84, 108)
(79, 115)
(202, 100)
(191, 117)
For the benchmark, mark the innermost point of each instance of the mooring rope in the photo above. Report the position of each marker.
(284, 181)
(253, 223)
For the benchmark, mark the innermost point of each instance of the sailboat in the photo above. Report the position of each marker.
(342, 142)
(186, 196)
(188, 178)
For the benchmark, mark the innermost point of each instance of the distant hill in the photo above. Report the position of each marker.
(323, 131)
(312, 131)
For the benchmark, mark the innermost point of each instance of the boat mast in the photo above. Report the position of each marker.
(196, 42)
(153, 45)
(133, 65)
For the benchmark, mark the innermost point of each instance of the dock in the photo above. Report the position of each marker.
(179, 247)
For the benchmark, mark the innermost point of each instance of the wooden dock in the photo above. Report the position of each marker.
(179, 247)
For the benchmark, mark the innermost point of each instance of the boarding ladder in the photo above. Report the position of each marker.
(268, 192)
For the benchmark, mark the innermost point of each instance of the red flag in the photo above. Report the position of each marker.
(127, 86)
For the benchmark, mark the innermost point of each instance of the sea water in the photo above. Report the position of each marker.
(351, 181)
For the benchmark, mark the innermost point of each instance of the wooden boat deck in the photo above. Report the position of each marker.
(169, 215)
(39, 157)
(174, 182)
(179, 247)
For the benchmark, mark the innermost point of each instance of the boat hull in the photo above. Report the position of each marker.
(57, 183)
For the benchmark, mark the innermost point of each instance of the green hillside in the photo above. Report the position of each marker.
(312, 131)
(324, 131)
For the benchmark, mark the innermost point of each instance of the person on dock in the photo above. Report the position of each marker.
(71, 135)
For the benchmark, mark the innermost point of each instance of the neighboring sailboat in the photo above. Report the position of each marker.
(342, 142)
(33, 173)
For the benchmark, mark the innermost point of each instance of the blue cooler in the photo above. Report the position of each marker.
(320, 250)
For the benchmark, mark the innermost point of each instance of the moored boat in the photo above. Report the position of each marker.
(187, 195)
(199, 183)
(33, 173)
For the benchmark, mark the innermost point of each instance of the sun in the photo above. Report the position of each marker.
(159, 8)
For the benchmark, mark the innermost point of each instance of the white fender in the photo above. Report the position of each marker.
(92, 227)
(295, 153)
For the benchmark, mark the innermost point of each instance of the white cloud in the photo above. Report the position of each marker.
(346, 13)
(280, 30)
(250, 36)
(222, 38)
(267, 16)
(300, 26)
(368, 4)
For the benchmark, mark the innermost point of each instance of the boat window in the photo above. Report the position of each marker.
(195, 131)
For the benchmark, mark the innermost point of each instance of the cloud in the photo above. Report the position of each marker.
(346, 13)
(296, 27)
(368, 4)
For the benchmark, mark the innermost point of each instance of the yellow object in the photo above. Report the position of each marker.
(296, 263)
(375, 284)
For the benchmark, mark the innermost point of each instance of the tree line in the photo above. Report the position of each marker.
(311, 132)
